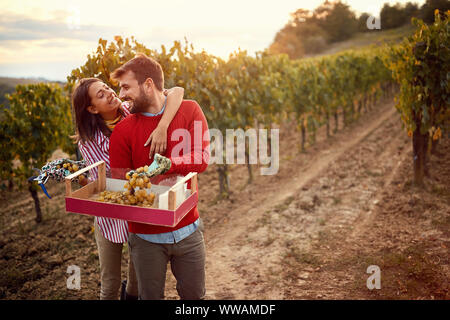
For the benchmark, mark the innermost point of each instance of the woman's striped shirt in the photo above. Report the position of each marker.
(115, 230)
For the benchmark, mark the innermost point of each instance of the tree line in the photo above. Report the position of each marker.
(310, 32)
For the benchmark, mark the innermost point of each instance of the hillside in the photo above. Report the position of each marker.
(363, 40)
(8, 85)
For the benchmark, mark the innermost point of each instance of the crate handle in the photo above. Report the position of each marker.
(101, 176)
(172, 194)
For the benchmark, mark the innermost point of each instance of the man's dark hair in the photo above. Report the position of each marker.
(143, 68)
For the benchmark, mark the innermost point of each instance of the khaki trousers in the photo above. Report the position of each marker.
(187, 261)
(110, 256)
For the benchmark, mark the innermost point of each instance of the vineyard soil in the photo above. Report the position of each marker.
(309, 232)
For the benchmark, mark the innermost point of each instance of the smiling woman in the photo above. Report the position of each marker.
(91, 105)
(104, 101)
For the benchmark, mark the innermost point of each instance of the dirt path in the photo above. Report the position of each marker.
(266, 248)
(335, 184)
(245, 254)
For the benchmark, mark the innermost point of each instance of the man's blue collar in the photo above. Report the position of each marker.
(148, 114)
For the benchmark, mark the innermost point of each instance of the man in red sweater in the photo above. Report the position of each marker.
(152, 247)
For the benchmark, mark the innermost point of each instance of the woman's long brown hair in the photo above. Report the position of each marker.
(87, 123)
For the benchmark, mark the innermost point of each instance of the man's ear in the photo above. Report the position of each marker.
(92, 110)
(148, 85)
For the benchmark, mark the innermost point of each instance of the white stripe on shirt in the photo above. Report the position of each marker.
(115, 230)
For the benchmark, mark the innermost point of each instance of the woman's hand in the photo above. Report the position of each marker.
(158, 140)
(158, 137)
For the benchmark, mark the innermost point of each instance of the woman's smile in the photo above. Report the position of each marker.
(113, 99)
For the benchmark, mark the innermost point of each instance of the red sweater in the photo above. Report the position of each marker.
(127, 151)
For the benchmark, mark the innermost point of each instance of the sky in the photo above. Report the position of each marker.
(49, 38)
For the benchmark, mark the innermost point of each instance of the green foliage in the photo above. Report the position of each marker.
(320, 87)
(37, 122)
(362, 22)
(420, 66)
(244, 89)
(204, 79)
(107, 58)
(5, 88)
(6, 152)
(397, 15)
(429, 7)
(337, 19)
(238, 93)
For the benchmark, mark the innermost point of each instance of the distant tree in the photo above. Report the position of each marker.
(337, 19)
(362, 22)
(315, 38)
(310, 32)
(411, 10)
(300, 36)
(287, 41)
(428, 8)
(392, 16)
(400, 14)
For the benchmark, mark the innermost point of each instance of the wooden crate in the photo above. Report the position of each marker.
(83, 200)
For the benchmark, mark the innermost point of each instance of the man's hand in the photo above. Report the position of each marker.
(158, 139)
(160, 165)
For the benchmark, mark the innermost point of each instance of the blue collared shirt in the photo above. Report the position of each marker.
(173, 236)
(148, 114)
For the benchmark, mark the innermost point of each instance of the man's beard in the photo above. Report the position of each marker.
(141, 103)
